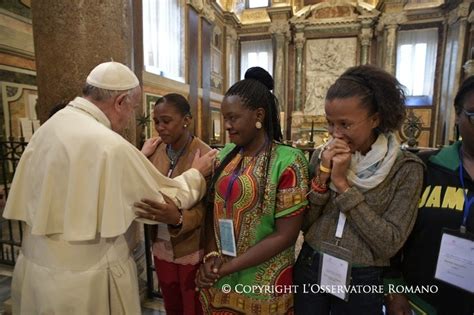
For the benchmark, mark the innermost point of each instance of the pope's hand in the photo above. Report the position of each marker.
(166, 212)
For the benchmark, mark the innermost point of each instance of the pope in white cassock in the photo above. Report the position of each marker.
(75, 187)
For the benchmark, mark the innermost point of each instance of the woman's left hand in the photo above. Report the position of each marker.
(153, 210)
(208, 272)
(340, 165)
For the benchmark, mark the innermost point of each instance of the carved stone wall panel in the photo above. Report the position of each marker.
(325, 60)
(254, 16)
(332, 31)
(334, 12)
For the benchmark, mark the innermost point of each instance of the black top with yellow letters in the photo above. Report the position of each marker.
(441, 206)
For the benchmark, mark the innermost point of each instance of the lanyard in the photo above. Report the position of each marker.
(341, 222)
(174, 162)
(468, 201)
(235, 175)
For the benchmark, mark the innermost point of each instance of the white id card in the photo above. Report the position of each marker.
(456, 260)
(334, 275)
(226, 228)
(335, 270)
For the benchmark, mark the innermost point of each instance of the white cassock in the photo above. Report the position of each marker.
(75, 187)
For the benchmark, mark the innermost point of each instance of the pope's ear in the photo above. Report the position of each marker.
(120, 100)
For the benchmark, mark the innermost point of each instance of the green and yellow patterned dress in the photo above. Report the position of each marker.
(254, 220)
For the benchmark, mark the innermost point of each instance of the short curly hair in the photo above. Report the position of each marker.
(378, 90)
(465, 89)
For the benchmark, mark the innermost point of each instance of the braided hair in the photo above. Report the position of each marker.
(254, 92)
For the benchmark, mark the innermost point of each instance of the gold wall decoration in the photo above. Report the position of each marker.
(254, 16)
(334, 12)
(423, 4)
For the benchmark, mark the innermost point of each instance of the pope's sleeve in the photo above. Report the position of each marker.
(186, 189)
(128, 176)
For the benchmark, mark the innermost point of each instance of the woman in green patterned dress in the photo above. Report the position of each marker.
(258, 193)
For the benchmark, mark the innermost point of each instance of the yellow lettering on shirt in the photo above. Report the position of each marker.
(453, 198)
(434, 198)
(424, 196)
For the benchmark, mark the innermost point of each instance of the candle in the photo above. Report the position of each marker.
(312, 131)
(214, 130)
(21, 129)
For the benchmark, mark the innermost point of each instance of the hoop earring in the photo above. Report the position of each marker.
(258, 125)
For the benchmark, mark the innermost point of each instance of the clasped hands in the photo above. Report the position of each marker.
(336, 157)
(211, 270)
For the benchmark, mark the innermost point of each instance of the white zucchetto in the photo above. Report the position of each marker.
(112, 76)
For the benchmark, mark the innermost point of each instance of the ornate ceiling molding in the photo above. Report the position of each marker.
(334, 12)
(389, 19)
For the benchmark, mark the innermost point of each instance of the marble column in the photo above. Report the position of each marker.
(299, 44)
(71, 38)
(280, 31)
(457, 19)
(365, 40)
(389, 23)
(231, 57)
(391, 47)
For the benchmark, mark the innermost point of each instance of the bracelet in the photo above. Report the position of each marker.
(324, 169)
(209, 255)
(180, 221)
(317, 186)
(317, 181)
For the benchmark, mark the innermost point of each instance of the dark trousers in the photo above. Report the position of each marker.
(306, 302)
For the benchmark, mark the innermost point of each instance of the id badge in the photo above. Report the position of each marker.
(455, 264)
(226, 228)
(335, 270)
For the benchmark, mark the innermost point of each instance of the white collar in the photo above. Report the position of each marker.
(91, 109)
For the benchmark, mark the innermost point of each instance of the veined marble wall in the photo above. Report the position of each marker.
(326, 59)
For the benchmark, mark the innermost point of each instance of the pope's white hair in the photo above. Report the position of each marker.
(99, 94)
